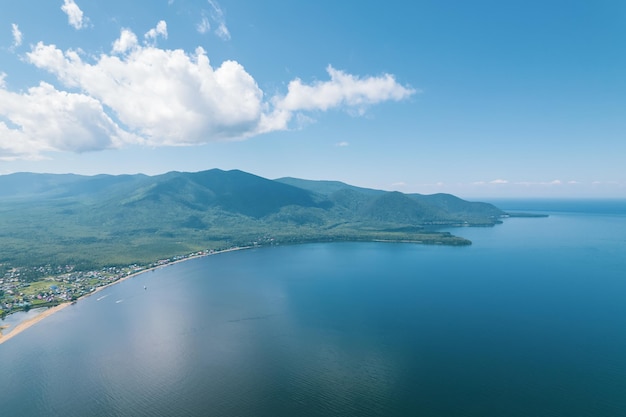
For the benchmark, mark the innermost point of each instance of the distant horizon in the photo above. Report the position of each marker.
(466, 197)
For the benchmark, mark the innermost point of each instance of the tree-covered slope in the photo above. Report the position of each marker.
(394, 206)
(106, 219)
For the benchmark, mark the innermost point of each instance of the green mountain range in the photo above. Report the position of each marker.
(94, 221)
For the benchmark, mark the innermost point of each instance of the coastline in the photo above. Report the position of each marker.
(19, 328)
(31, 322)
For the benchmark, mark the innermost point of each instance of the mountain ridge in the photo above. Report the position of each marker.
(122, 219)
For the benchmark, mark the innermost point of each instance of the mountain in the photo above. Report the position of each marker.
(122, 219)
(426, 209)
(326, 187)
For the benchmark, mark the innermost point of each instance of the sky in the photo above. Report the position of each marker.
(481, 99)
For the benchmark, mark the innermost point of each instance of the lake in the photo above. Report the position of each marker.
(530, 320)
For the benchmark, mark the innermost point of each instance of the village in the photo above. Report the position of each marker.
(18, 291)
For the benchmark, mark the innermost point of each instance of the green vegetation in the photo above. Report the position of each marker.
(52, 225)
(532, 215)
(92, 222)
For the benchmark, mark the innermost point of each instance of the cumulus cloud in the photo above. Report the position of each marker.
(498, 181)
(17, 35)
(126, 42)
(139, 93)
(75, 16)
(342, 144)
(16, 145)
(160, 30)
(44, 119)
(167, 96)
(343, 90)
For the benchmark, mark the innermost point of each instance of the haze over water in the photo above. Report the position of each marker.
(528, 321)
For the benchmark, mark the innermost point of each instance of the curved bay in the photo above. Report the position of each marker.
(529, 320)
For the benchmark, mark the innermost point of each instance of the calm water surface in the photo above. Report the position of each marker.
(528, 321)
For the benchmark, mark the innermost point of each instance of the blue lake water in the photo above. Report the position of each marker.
(528, 321)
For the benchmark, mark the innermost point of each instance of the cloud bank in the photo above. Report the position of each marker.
(139, 93)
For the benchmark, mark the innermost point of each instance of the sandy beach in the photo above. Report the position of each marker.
(28, 323)
(47, 313)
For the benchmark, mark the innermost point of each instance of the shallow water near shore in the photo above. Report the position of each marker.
(12, 320)
(528, 321)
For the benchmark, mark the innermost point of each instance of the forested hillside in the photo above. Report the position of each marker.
(93, 221)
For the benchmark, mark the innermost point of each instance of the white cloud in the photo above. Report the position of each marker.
(343, 90)
(126, 42)
(46, 119)
(222, 31)
(204, 26)
(142, 94)
(539, 183)
(17, 35)
(218, 17)
(499, 182)
(74, 14)
(160, 30)
(16, 145)
(167, 96)
(170, 97)
(342, 144)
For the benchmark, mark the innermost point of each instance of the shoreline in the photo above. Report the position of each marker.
(31, 322)
(20, 327)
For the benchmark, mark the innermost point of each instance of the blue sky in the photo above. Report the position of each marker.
(479, 99)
